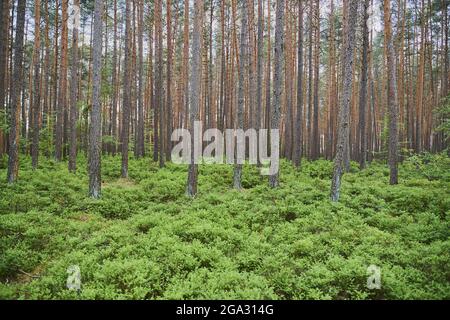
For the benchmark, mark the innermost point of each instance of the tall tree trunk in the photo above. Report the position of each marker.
(243, 61)
(37, 84)
(4, 23)
(363, 87)
(344, 111)
(194, 96)
(115, 85)
(310, 78)
(209, 120)
(47, 92)
(288, 75)
(159, 79)
(299, 118)
(74, 89)
(315, 145)
(260, 64)
(54, 113)
(332, 92)
(278, 77)
(95, 130)
(420, 84)
(269, 67)
(16, 87)
(126, 104)
(186, 63)
(169, 80)
(140, 152)
(61, 105)
(221, 120)
(392, 95)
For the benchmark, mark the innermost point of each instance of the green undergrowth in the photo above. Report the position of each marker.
(144, 239)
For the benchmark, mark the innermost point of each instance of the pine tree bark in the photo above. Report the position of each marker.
(47, 73)
(4, 23)
(315, 145)
(278, 77)
(16, 87)
(61, 105)
(95, 130)
(299, 116)
(115, 85)
(310, 78)
(126, 104)
(260, 64)
(74, 90)
(159, 80)
(243, 61)
(269, 67)
(140, 152)
(194, 95)
(420, 85)
(363, 88)
(169, 80)
(344, 111)
(36, 84)
(392, 95)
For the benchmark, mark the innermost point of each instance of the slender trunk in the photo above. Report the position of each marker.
(344, 111)
(95, 129)
(16, 87)
(61, 105)
(363, 88)
(195, 88)
(126, 104)
(260, 64)
(299, 118)
(278, 77)
(74, 89)
(310, 78)
(140, 152)
(4, 23)
(37, 84)
(269, 66)
(159, 79)
(169, 80)
(392, 95)
(315, 145)
(243, 60)
(114, 85)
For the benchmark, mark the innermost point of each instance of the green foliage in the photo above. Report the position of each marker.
(144, 239)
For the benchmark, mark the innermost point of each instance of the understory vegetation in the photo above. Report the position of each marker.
(144, 239)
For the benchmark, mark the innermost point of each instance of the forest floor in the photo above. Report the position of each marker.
(146, 240)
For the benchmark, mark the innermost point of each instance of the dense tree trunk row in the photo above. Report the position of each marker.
(373, 98)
